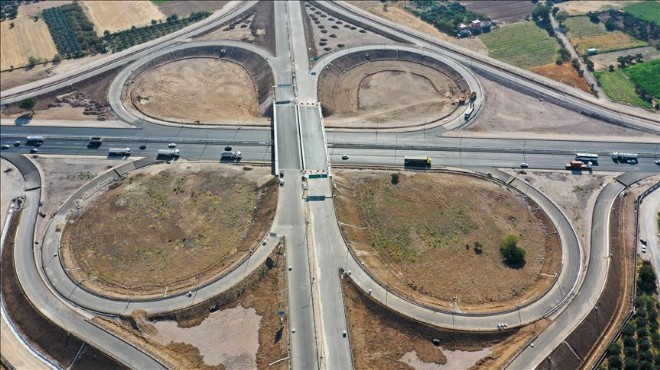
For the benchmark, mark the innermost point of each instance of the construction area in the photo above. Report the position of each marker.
(180, 225)
(435, 238)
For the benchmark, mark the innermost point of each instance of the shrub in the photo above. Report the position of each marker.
(395, 178)
(478, 248)
(27, 104)
(614, 349)
(614, 361)
(513, 255)
(646, 278)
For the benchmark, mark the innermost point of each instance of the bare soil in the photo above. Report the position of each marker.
(382, 339)
(197, 90)
(263, 292)
(183, 8)
(116, 16)
(388, 93)
(584, 7)
(407, 234)
(509, 111)
(564, 73)
(180, 227)
(12, 186)
(46, 337)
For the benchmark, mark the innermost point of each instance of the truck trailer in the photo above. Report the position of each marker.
(624, 157)
(35, 140)
(418, 162)
(168, 152)
(577, 165)
(119, 151)
(230, 155)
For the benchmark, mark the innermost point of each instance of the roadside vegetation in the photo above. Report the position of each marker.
(445, 17)
(523, 44)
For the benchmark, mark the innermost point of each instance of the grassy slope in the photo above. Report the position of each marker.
(647, 10)
(619, 88)
(646, 75)
(523, 45)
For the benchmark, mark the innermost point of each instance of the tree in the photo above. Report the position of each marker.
(610, 25)
(611, 68)
(512, 254)
(28, 104)
(639, 57)
(614, 361)
(153, 21)
(561, 16)
(593, 16)
(646, 278)
(395, 178)
(57, 59)
(631, 363)
(614, 349)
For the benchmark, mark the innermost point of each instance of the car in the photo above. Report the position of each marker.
(343, 333)
(34, 150)
(657, 162)
(643, 241)
(17, 143)
(524, 165)
(143, 147)
(171, 145)
(631, 161)
(5, 146)
(643, 249)
(281, 182)
(228, 149)
(344, 157)
(281, 174)
(189, 294)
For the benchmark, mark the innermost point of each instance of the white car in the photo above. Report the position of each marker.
(643, 249)
(171, 145)
(524, 165)
(5, 147)
(34, 150)
(344, 157)
(657, 162)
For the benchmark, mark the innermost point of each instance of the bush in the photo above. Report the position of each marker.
(646, 278)
(27, 104)
(513, 255)
(478, 248)
(614, 361)
(614, 349)
(395, 178)
(631, 364)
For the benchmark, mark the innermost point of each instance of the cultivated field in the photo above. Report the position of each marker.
(501, 11)
(183, 8)
(619, 88)
(585, 34)
(420, 235)
(524, 45)
(564, 73)
(602, 61)
(207, 90)
(388, 93)
(646, 75)
(578, 7)
(168, 228)
(120, 15)
(22, 38)
(648, 10)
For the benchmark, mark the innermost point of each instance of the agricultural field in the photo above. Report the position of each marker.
(22, 38)
(410, 233)
(603, 60)
(184, 7)
(647, 10)
(179, 225)
(115, 16)
(619, 88)
(523, 44)
(501, 11)
(647, 76)
(564, 73)
(585, 34)
(580, 7)
(72, 32)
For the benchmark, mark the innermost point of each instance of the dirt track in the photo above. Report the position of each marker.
(198, 89)
(387, 93)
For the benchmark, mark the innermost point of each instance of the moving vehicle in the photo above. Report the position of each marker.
(168, 152)
(230, 155)
(5, 147)
(95, 141)
(586, 157)
(119, 151)
(624, 157)
(34, 150)
(524, 165)
(657, 162)
(17, 143)
(577, 165)
(171, 145)
(143, 147)
(344, 157)
(419, 162)
(468, 112)
(35, 140)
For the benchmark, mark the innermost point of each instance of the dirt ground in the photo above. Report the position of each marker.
(507, 111)
(116, 15)
(407, 234)
(207, 90)
(564, 73)
(181, 225)
(382, 339)
(583, 7)
(243, 326)
(603, 61)
(11, 186)
(388, 94)
(184, 7)
(23, 37)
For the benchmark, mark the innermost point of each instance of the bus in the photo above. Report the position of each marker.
(586, 157)
(418, 162)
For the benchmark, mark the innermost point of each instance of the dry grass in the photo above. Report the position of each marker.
(615, 40)
(120, 15)
(564, 73)
(584, 7)
(414, 235)
(167, 231)
(400, 16)
(26, 38)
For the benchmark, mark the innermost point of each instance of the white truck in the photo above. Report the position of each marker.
(35, 140)
(230, 155)
(168, 152)
(119, 151)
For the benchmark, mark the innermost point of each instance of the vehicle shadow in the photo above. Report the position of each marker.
(23, 119)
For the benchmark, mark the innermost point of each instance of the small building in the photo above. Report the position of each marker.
(475, 25)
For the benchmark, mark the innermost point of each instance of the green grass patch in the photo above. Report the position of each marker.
(647, 10)
(582, 27)
(619, 88)
(646, 75)
(524, 45)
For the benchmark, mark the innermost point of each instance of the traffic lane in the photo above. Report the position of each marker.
(311, 131)
(288, 145)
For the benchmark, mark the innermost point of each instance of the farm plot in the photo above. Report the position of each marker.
(619, 88)
(524, 45)
(184, 7)
(647, 76)
(168, 229)
(647, 10)
(585, 34)
(501, 11)
(22, 38)
(564, 73)
(115, 16)
(72, 32)
(579, 7)
(413, 235)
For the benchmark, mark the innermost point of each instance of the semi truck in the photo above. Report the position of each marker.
(168, 152)
(577, 165)
(230, 155)
(35, 140)
(95, 141)
(119, 151)
(418, 162)
(624, 157)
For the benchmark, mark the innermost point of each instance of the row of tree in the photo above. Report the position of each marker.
(445, 17)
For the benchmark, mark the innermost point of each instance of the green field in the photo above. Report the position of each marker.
(647, 76)
(647, 10)
(582, 27)
(619, 88)
(524, 45)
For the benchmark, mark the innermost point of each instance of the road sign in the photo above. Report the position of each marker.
(318, 176)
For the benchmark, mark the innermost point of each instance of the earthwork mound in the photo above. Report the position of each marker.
(388, 88)
(435, 238)
(164, 230)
